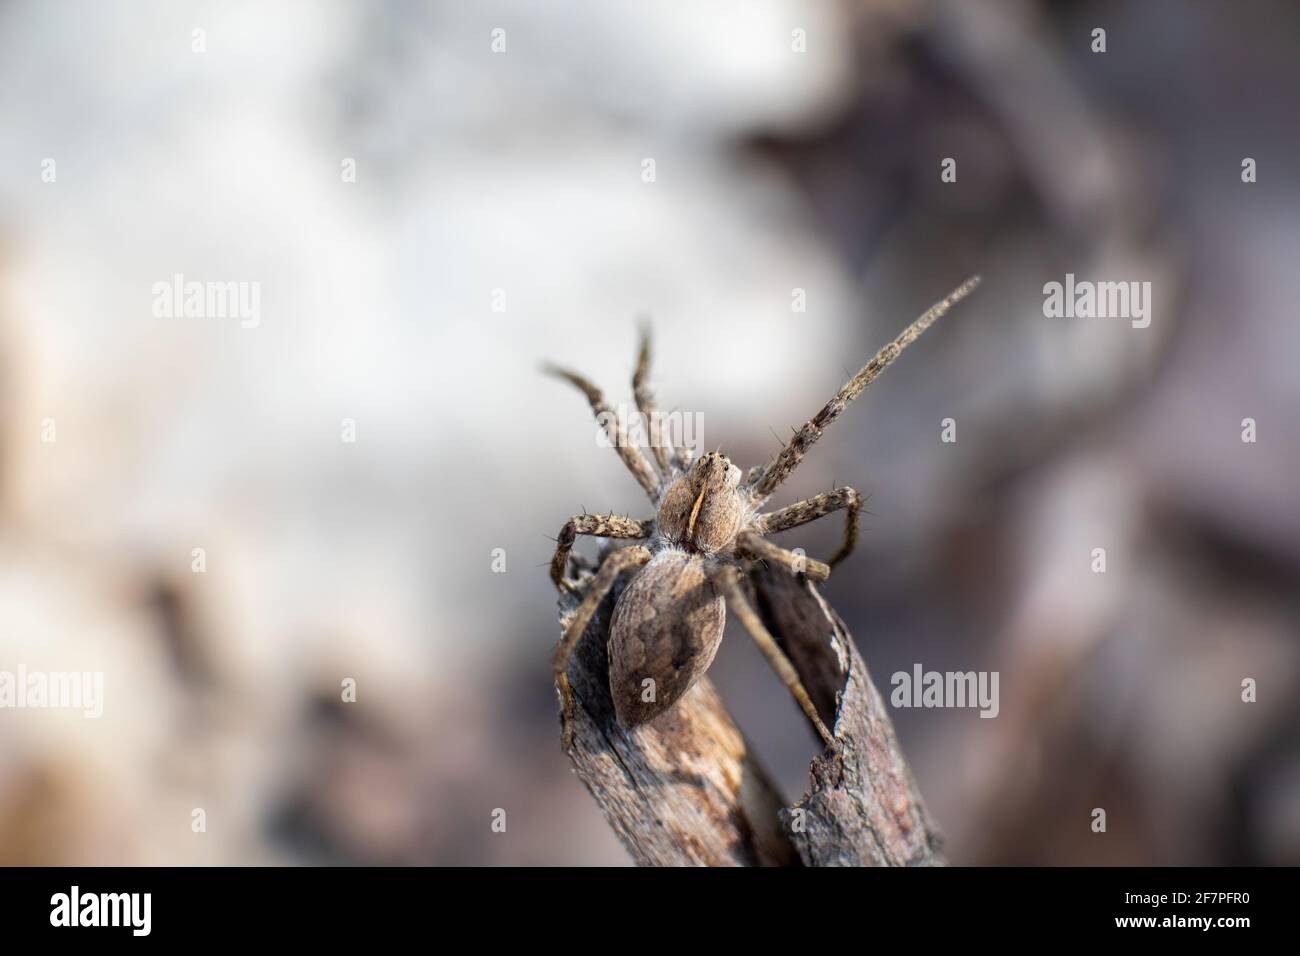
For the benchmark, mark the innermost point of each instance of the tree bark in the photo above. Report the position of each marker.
(686, 788)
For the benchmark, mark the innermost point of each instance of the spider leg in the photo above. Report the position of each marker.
(753, 545)
(610, 569)
(785, 463)
(729, 583)
(668, 456)
(665, 455)
(600, 526)
(810, 509)
(582, 562)
(631, 455)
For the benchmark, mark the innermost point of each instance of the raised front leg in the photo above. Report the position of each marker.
(770, 478)
(667, 457)
(631, 455)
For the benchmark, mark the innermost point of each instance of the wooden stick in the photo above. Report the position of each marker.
(863, 807)
(686, 789)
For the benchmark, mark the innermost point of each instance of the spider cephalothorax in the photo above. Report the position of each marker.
(707, 530)
(702, 510)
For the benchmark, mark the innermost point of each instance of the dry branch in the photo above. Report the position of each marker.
(686, 789)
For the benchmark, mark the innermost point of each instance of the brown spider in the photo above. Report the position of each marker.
(668, 622)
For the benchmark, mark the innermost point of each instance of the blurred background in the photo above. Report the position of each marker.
(499, 215)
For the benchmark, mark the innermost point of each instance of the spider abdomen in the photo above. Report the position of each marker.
(666, 629)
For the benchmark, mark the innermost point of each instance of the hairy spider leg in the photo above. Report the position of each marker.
(729, 582)
(613, 565)
(753, 545)
(614, 429)
(599, 526)
(667, 456)
(770, 478)
(818, 506)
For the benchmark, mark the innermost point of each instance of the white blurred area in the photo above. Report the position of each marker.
(476, 171)
(516, 176)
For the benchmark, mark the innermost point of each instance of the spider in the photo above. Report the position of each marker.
(707, 530)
